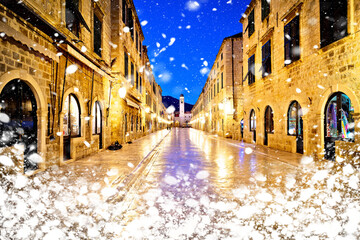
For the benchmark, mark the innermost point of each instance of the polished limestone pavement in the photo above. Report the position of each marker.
(200, 185)
(184, 184)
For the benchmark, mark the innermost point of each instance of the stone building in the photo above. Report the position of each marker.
(301, 87)
(219, 107)
(61, 79)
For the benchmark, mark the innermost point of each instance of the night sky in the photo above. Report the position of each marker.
(198, 28)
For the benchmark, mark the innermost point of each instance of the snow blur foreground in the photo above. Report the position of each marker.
(199, 187)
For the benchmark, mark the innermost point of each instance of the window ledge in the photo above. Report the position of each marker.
(266, 77)
(293, 64)
(334, 44)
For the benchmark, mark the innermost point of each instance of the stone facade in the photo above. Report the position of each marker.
(300, 87)
(320, 69)
(83, 60)
(217, 109)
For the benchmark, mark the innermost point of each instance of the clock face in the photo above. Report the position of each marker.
(182, 101)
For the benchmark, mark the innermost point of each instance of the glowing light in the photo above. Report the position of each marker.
(221, 106)
(147, 110)
(122, 92)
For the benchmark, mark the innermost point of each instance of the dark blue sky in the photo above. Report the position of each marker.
(198, 28)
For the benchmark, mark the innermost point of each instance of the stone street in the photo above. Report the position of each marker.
(183, 184)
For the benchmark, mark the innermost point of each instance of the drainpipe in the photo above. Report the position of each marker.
(92, 91)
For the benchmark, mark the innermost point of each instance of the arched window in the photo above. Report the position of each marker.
(339, 122)
(252, 120)
(269, 120)
(72, 122)
(97, 119)
(295, 119)
(19, 120)
(339, 117)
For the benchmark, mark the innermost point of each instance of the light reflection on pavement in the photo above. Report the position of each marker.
(198, 184)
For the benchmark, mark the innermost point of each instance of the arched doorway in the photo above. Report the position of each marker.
(253, 124)
(269, 124)
(71, 123)
(295, 125)
(19, 120)
(339, 122)
(97, 122)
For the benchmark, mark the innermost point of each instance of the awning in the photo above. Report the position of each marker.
(18, 36)
(131, 103)
(81, 58)
(31, 16)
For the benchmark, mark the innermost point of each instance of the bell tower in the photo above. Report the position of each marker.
(182, 106)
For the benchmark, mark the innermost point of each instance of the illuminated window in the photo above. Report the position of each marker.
(252, 120)
(96, 121)
(295, 119)
(71, 109)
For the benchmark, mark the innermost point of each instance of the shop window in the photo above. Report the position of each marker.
(251, 70)
(97, 119)
(265, 9)
(333, 21)
(339, 117)
(295, 119)
(269, 120)
(292, 41)
(252, 120)
(97, 35)
(71, 109)
(73, 17)
(266, 59)
(18, 104)
(251, 23)
(339, 122)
